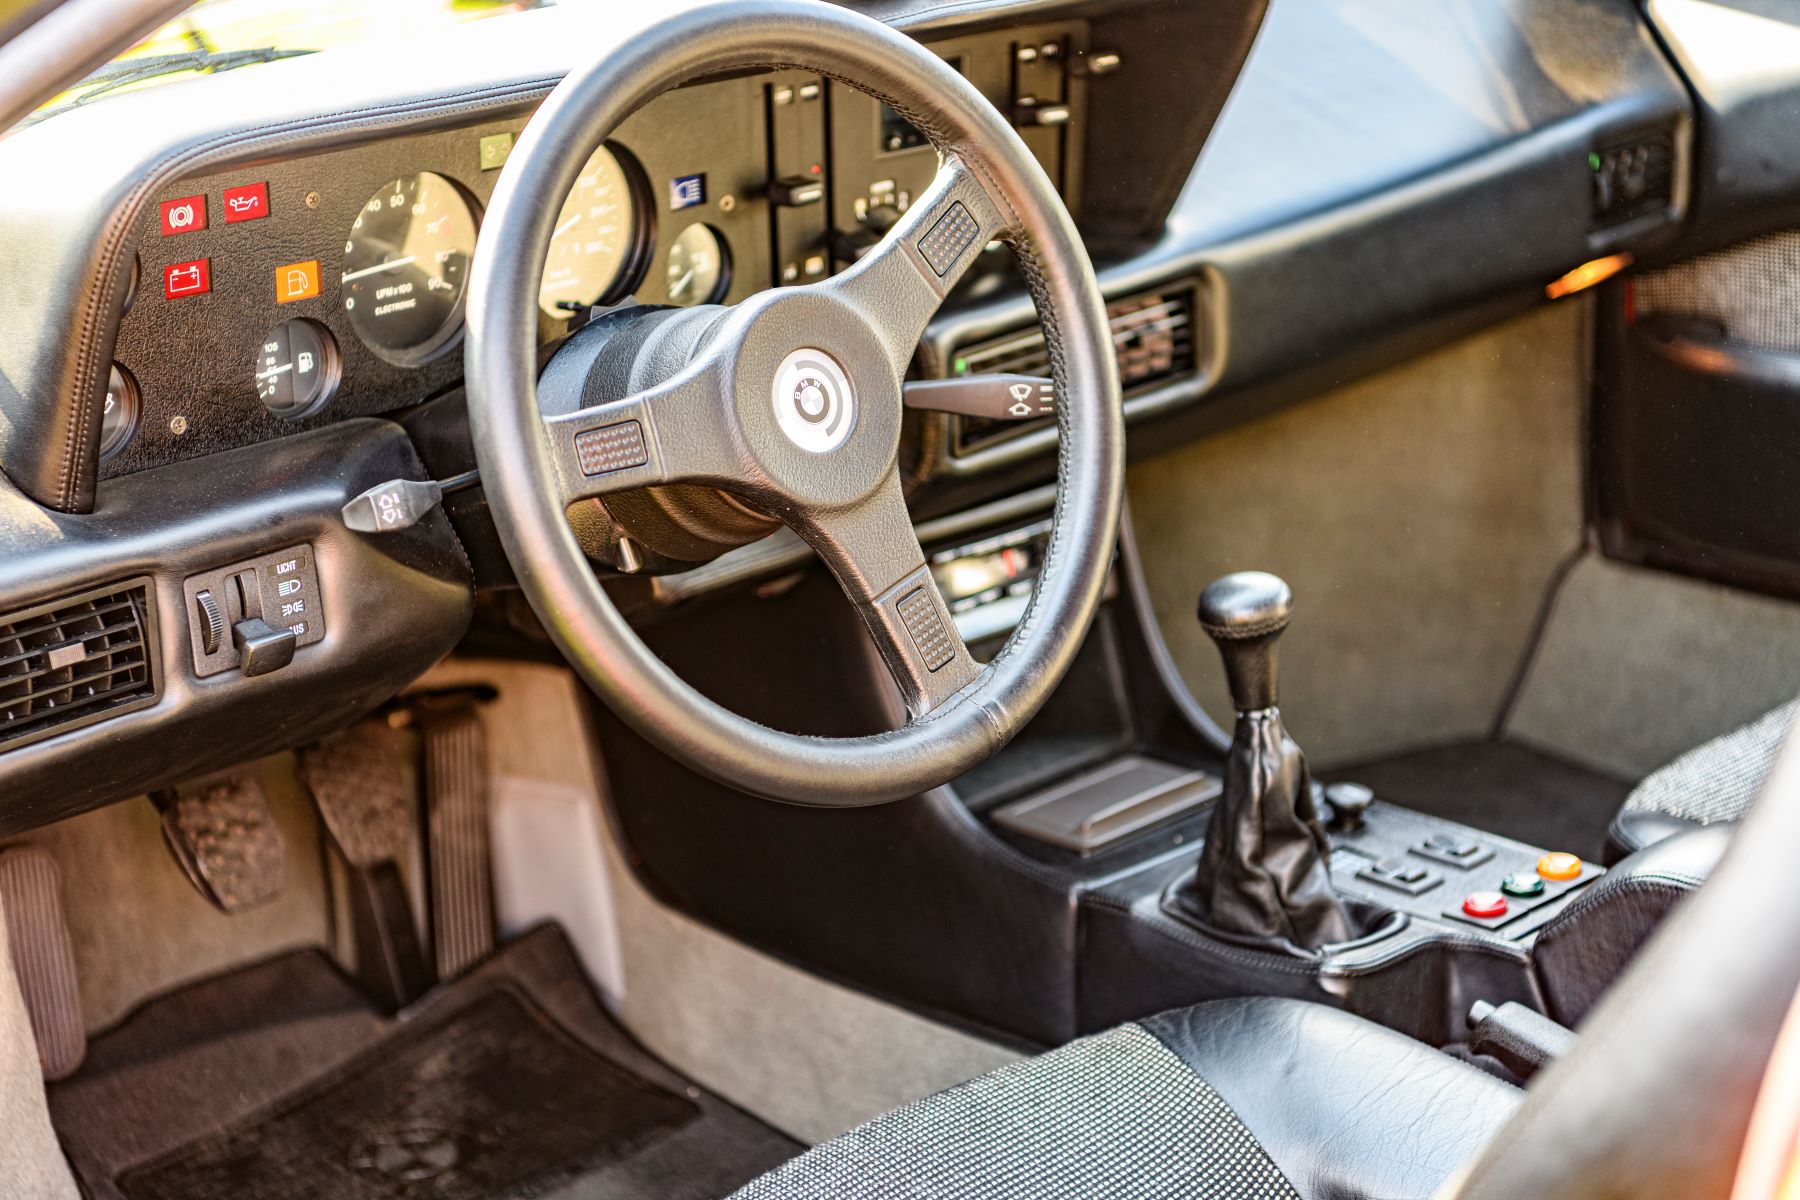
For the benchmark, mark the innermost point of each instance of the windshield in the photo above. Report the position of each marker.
(227, 35)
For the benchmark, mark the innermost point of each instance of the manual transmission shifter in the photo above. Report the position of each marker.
(1263, 873)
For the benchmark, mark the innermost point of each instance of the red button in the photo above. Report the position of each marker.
(184, 215)
(1484, 904)
(186, 279)
(247, 203)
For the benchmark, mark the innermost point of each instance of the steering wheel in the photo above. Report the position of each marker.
(792, 400)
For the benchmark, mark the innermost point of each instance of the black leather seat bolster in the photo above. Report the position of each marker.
(1637, 828)
(1588, 945)
(1347, 1109)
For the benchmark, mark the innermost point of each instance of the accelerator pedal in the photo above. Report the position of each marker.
(456, 800)
(224, 836)
(43, 957)
(358, 782)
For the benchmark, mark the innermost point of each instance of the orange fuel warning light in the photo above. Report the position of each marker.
(1597, 270)
(296, 281)
(1559, 866)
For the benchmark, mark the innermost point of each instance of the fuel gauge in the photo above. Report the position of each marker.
(296, 369)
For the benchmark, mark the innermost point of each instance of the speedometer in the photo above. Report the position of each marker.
(597, 240)
(405, 267)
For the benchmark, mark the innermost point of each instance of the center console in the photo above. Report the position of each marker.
(1052, 890)
(1299, 888)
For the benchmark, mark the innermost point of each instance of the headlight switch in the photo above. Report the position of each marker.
(270, 605)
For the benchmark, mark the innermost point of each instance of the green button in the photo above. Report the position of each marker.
(494, 149)
(1525, 883)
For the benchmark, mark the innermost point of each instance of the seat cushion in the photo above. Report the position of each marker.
(1713, 782)
(1255, 1099)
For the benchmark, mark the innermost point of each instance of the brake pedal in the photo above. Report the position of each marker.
(224, 836)
(358, 783)
(43, 957)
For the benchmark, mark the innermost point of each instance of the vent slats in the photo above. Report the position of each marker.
(73, 661)
(1153, 337)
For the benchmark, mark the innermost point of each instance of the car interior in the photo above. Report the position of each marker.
(915, 599)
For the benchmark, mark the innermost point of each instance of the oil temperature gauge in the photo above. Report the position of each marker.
(296, 369)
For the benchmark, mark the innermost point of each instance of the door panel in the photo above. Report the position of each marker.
(1696, 462)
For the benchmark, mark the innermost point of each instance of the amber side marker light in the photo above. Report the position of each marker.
(1597, 270)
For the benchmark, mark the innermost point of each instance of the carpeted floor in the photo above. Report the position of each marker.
(1502, 787)
(280, 1080)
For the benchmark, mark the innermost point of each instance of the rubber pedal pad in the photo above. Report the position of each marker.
(359, 782)
(43, 957)
(462, 887)
(224, 836)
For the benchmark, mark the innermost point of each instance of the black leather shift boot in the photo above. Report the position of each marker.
(1263, 872)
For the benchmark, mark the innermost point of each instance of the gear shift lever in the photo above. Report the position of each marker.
(1263, 872)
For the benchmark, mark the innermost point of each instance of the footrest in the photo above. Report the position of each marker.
(43, 957)
(224, 836)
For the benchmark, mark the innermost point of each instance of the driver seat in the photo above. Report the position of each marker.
(1247, 1099)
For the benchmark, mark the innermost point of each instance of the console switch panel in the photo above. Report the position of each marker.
(271, 605)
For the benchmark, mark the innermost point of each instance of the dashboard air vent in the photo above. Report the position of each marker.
(1153, 336)
(75, 661)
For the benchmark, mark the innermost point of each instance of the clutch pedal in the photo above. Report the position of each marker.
(43, 957)
(224, 836)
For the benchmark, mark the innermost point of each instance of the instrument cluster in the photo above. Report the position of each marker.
(299, 291)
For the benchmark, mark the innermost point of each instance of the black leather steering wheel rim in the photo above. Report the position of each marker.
(989, 183)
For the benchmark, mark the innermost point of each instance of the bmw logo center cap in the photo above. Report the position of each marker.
(814, 402)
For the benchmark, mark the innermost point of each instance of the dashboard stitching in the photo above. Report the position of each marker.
(126, 214)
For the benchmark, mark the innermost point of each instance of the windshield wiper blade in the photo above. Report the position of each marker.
(135, 70)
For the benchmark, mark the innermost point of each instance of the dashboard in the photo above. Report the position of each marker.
(304, 290)
(231, 306)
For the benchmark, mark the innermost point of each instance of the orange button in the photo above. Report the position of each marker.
(1559, 866)
(296, 281)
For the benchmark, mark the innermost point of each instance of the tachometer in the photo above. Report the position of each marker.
(405, 267)
(597, 239)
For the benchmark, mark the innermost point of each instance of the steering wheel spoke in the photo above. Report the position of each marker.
(671, 433)
(873, 551)
(903, 280)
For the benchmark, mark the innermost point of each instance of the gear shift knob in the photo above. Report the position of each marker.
(1244, 613)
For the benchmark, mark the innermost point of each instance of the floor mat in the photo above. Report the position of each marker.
(279, 1080)
(1502, 787)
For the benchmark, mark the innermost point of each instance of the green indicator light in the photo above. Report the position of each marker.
(1523, 884)
(1593, 160)
(494, 150)
(960, 367)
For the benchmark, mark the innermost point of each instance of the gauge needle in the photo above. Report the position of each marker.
(275, 371)
(567, 225)
(379, 267)
(680, 285)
